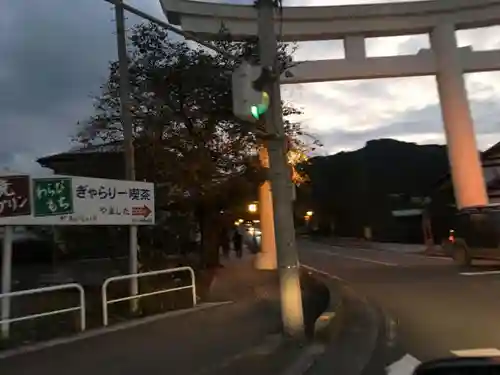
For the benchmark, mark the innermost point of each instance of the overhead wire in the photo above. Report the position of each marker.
(173, 29)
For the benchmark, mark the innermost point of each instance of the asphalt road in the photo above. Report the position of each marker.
(439, 309)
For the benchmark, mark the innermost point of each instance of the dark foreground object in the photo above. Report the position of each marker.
(460, 366)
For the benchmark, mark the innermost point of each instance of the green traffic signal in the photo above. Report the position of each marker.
(261, 108)
(255, 112)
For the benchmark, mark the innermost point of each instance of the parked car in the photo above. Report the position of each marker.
(476, 234)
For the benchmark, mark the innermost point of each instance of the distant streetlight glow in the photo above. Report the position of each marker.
(252, 207)
(309, 213)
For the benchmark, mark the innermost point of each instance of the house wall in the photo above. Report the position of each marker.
(442, 208)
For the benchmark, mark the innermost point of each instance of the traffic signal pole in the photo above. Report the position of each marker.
(279, 176)
(266, 258)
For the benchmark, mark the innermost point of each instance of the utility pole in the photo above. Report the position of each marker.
(128, 139)
(281, 184)
(266, 259)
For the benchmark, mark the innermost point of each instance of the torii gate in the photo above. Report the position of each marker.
(354, 23)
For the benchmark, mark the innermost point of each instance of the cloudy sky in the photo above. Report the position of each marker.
(55, 55)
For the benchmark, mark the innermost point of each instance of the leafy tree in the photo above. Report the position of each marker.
(186, 137)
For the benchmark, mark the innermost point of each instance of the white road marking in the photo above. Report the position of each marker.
(356, 258)
(482, 352)
(447, 259)
(368, 250)
(405, 366)
(320, 272)
(408, 254)
(480, 273)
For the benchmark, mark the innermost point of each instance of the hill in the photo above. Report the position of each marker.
(361, 188)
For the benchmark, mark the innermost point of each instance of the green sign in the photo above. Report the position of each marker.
(52, 196)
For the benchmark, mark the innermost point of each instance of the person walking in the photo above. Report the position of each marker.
(238, 242)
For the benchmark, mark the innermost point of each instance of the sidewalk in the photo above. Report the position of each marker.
(210, 341)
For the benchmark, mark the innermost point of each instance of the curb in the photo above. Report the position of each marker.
(306, 359)
(328, 324)
(375, 346)
(327, 327)
(387, 348)
(354, 347)
(331, 320)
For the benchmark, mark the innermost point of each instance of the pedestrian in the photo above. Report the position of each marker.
(238, 242)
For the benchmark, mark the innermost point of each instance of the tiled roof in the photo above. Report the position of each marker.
(112, 147)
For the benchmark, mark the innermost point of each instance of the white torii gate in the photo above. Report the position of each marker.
(354, 23)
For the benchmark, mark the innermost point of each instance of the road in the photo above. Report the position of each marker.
(440, 309)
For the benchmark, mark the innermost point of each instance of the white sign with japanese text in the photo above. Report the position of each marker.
(67, 200)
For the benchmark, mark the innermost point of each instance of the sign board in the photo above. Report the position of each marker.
(408, 212)
(14, 196)
(52, 196)
(67, 200)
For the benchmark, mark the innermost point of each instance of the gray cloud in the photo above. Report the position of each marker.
(424, 122)
(413, 44)
(55, 54)
(321, 50)
(358, 90)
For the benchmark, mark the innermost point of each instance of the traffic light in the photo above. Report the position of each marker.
(250, 100)
(261, 108)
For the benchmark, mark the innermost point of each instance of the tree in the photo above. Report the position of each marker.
(187, 140)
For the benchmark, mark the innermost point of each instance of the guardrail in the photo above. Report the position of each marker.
(104, 292)
(54, 288)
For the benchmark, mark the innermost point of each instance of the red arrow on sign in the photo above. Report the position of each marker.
(141, 211)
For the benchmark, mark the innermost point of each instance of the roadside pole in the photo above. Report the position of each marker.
(126, 117)
(6, 279)
(266, 258)
(281, 185)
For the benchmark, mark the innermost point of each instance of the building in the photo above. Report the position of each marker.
(88, 161)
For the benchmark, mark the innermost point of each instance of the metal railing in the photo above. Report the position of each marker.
(54, 288)
(104, 291)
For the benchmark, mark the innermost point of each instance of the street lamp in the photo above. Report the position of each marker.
(252, 207)
(309, 213)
